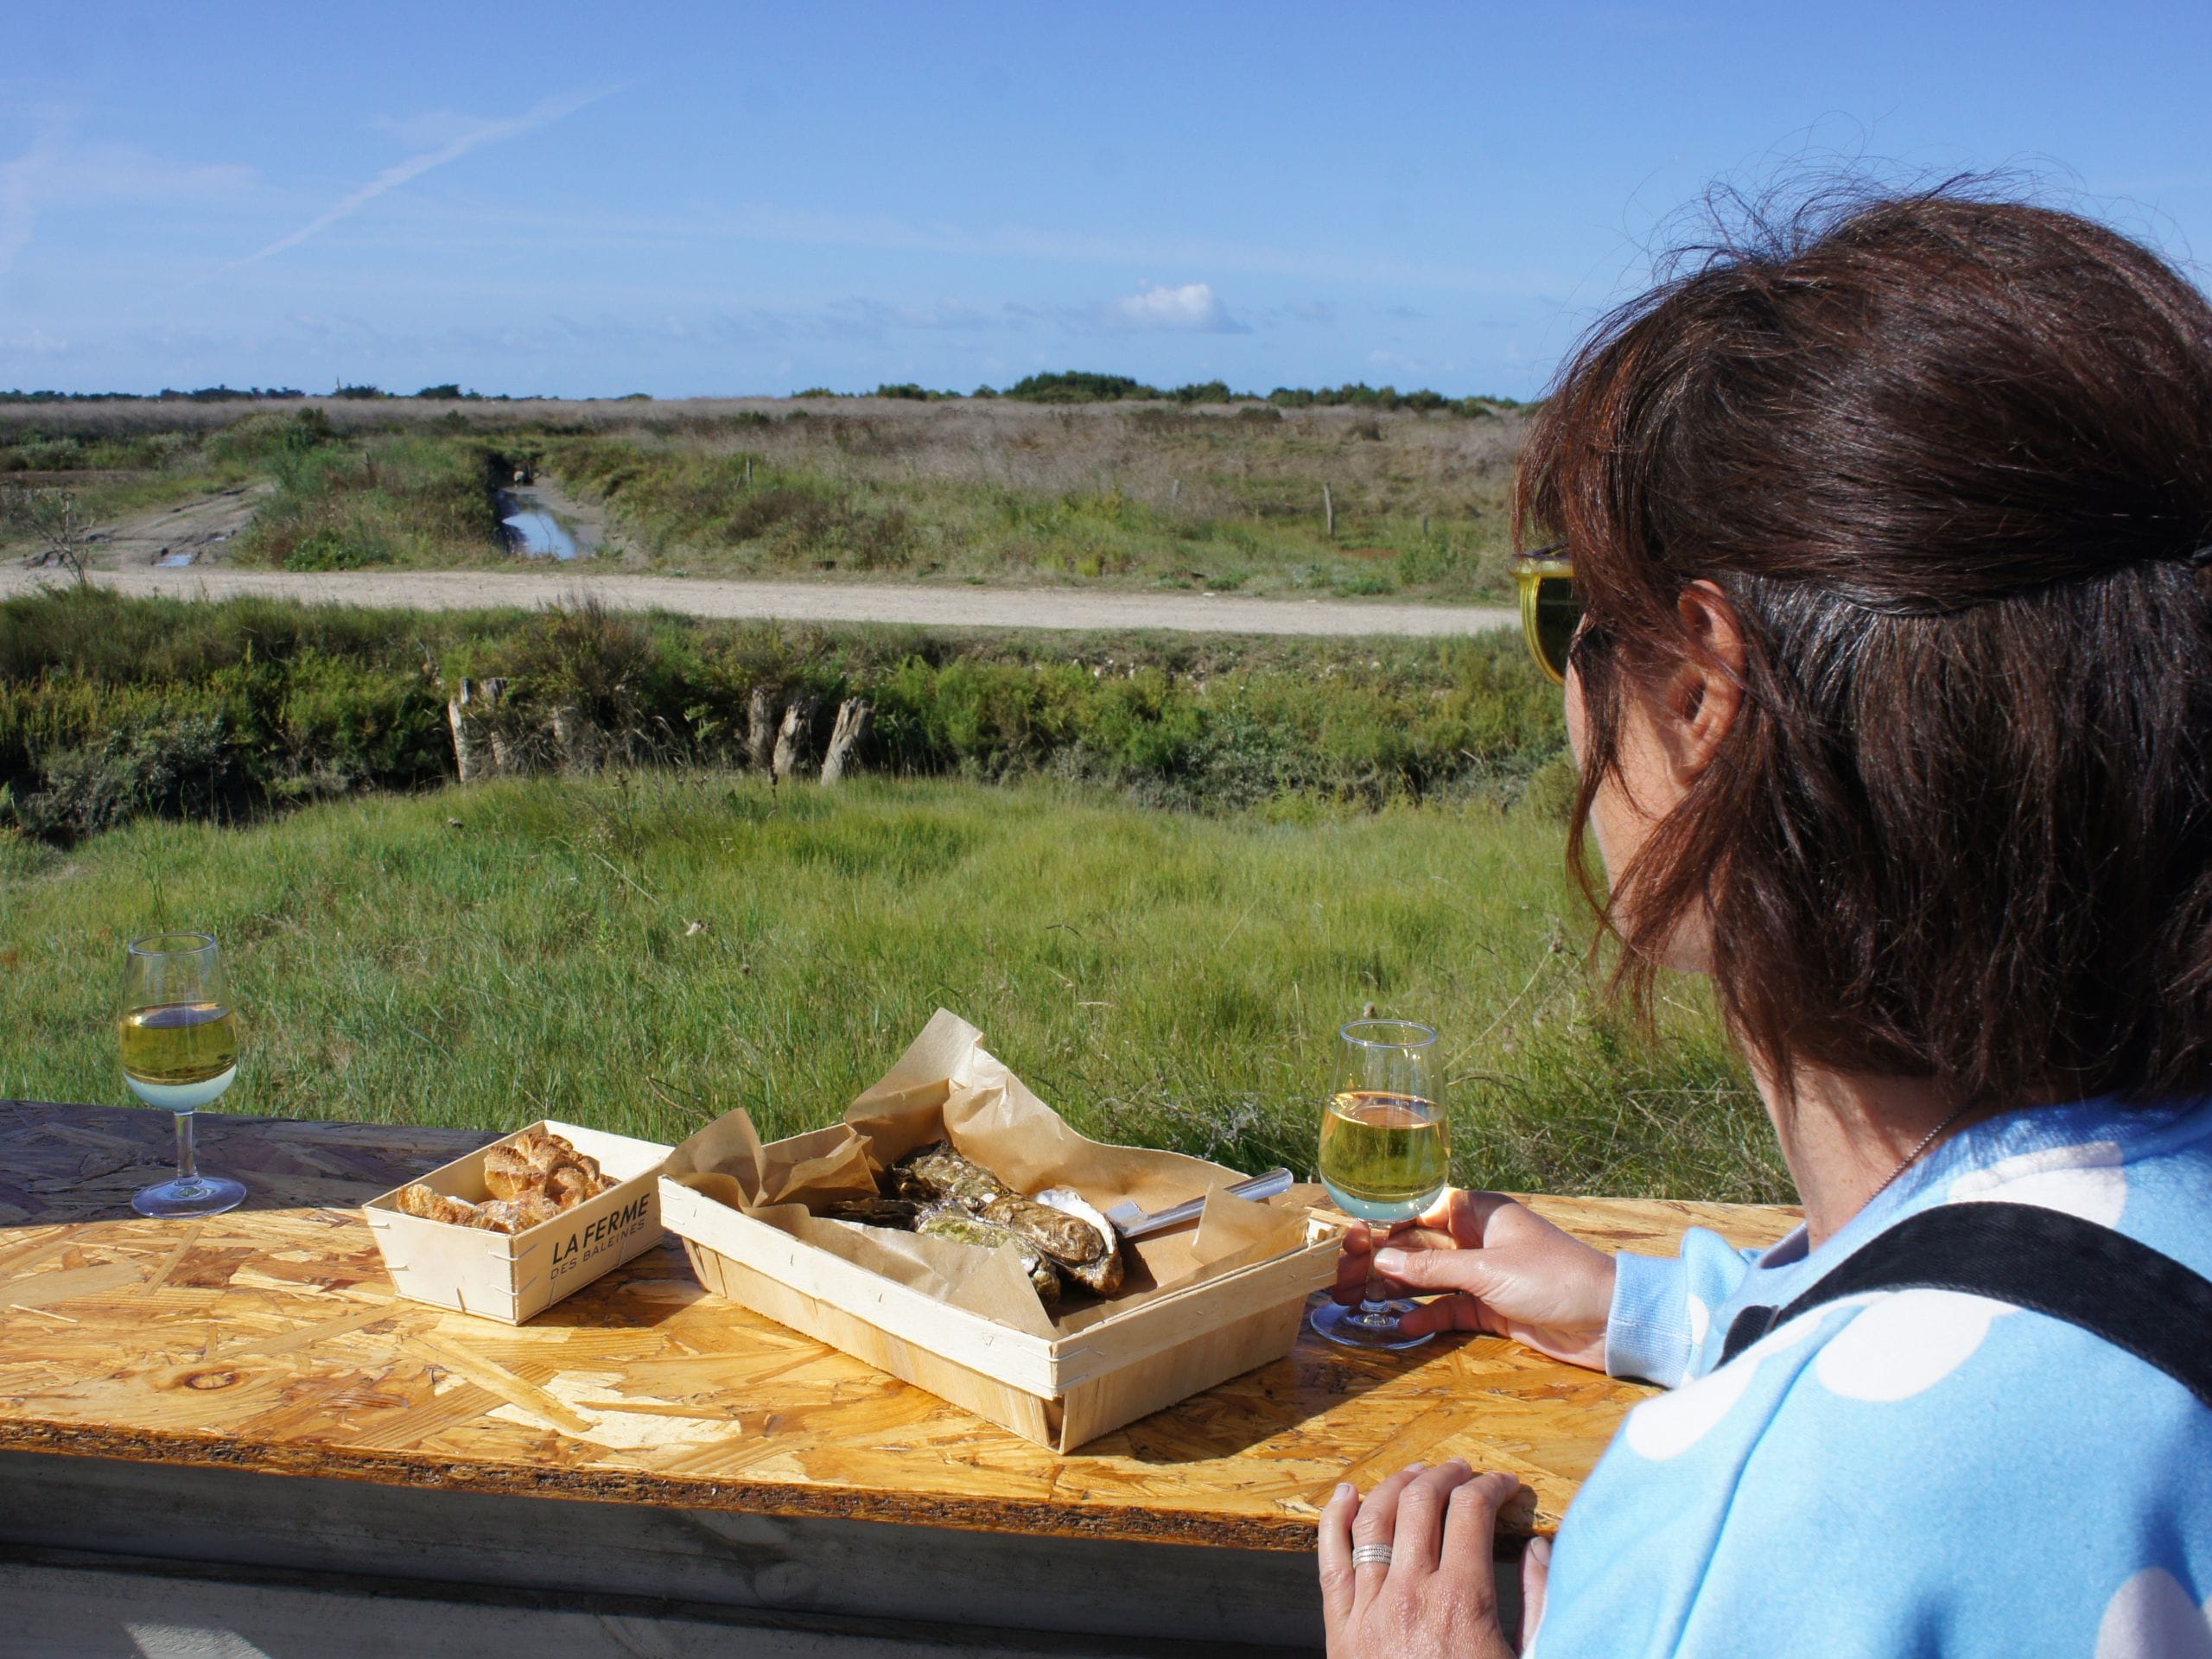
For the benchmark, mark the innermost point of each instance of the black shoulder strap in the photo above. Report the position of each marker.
(2110, 1284)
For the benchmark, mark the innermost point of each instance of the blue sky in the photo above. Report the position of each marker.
(725, 198)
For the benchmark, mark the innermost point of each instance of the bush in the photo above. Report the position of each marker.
(111, 707)
(1551, 790)
(337, 550)
(267, 439)
(180, 764)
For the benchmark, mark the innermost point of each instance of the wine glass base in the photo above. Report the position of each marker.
(202, 1195)
(1375, 1326)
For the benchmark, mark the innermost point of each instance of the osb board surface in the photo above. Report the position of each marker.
(269, 1338)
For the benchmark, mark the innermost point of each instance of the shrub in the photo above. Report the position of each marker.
(180, 765)
(1551, 790)
(111, 707)
(265, 440)
(337, 550)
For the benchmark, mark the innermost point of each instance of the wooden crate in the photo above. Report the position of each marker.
(511, 1276)
(1059, 1392)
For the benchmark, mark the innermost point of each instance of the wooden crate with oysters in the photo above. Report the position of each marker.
(953, 1231)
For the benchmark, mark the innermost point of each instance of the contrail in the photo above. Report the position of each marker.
(539, 115)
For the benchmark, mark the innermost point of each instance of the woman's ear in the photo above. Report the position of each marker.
(1705, 693)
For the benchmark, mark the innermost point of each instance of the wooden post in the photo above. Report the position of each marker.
(1424, 526)
(748, 471)
(477, 752)
(796, 739)
(1328, 514)
(759, 730)
(576, 738)
(495, 693)
(852, 726)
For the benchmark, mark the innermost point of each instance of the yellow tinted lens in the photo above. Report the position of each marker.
(1557, 613)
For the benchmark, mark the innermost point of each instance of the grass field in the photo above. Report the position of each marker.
(1228, 498)
(641, 952)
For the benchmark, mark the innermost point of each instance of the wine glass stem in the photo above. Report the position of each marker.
(1373, 1305)
(187, 1166)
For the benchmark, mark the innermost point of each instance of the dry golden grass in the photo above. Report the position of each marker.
(1227, 497)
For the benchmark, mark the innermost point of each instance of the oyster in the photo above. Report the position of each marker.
(1060, 1233)
(901, 1213)
(954, 1222)
(1069, 1232)
(1100, 1270)
(936, 1171)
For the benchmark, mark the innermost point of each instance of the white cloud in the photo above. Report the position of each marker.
(433, 128)
(56, 171)
(463, 134)
(1193, 309)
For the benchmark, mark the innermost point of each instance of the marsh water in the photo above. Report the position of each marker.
(533, 531)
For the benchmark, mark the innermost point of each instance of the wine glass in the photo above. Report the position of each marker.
(180, 1050)
(1385, 1156)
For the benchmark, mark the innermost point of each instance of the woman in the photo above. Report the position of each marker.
(1892, 696)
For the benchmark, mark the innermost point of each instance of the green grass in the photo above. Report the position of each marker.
(1136, 496)
(407, 499)
(1249, 520)
(1170, 979)
(111, 707)
(1152, 498)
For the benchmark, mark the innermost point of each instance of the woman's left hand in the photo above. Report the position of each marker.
(1437, 1599)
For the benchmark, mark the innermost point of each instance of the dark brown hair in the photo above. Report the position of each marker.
(1948, 459)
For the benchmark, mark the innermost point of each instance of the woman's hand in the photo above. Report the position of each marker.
(1513, 1275)
(1437, 1599)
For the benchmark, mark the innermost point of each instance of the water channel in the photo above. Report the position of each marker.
(532, 530)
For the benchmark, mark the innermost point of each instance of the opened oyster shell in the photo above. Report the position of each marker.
(951, 1221)
(1100, 1270)
(1057, 1223)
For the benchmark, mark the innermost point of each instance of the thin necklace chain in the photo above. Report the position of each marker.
(1913, 1157)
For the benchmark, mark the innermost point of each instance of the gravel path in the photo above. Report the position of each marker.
(950, 606)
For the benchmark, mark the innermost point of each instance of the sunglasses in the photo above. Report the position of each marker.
(1551, 610)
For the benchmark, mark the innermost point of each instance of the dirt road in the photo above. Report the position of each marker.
(949, 606)
(200, 528)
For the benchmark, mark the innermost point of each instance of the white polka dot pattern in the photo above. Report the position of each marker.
(1669, 1426)
(1906, 1342)
(2085, 1180)
(2151, 1616)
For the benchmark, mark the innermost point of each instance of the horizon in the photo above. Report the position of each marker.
(741, 203)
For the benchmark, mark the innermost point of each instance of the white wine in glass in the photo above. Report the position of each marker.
(179, 1045)
(1386, 1156)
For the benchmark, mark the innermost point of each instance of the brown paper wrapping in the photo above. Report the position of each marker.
(947, 1085)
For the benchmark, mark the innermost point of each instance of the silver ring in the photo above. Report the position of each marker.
(1370, 1555)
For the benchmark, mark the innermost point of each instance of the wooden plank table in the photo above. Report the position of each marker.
(236, 1416)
